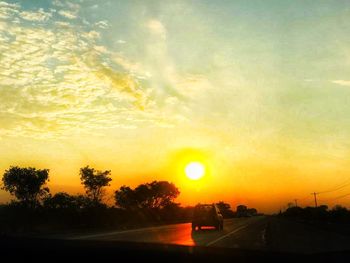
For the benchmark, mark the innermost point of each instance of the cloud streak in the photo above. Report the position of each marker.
(59, 80)
(39, 16)
(156, 27)
(68, 14)
(341, 82)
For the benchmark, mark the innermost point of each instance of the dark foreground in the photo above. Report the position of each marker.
(254, 233)
(259, 239)
(28, 250)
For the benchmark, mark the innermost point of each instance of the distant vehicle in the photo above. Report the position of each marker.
(207, 215)
(242, 211)
(252, 212)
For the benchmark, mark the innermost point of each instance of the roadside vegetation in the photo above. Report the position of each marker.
(338, 214)
(34, 209)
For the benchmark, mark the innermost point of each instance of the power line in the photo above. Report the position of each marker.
(342, 196)
(336, 189)
(341, 186)
(322, 200)
(302, 198)
(305, 197)
(334, 198)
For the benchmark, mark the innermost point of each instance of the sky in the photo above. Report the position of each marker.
(258, 91)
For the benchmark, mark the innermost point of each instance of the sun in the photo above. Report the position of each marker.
(194, 170)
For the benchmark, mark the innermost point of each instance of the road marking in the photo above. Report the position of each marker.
(263, 236)
(106, 234)
(227, 235)
(125, 231)
(264, 233)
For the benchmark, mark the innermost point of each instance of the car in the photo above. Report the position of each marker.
(207, 215)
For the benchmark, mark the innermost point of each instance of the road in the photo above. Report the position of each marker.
(181, 234)
(261, 232)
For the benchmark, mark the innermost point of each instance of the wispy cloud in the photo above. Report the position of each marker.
(9, 5)
(102, 24)
(156, 27)
(134, 68)
(68, 14)
(58, 80)
(8, 10)
(39, 15)
(57, 3)
(68, 9)
(341, 82)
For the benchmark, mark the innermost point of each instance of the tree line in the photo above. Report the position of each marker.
(337, 214)
(28, 186)
(147, 203)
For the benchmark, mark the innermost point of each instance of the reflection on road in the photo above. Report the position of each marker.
(180, 234)
(174, 234)
(255, 233)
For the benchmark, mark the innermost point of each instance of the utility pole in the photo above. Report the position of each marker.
(296, 202)
(315, 197)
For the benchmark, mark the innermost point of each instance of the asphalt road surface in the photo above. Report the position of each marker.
(261, 232)
(182, 234)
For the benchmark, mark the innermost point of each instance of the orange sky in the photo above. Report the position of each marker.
(255, 179)
(258, 91)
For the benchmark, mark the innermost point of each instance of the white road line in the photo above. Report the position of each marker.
(125, 231)
(263, 236)
(228, 234)
(154, 228)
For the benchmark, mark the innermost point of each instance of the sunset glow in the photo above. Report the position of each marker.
(241, 101)
(194, 170)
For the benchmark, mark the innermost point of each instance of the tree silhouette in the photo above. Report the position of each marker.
(154, 195)
(225, 209)
(26, 184)
(94, 181)
(163, 193)
(125, 198)
(64, 200)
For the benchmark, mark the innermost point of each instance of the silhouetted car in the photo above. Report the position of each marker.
(207, 215)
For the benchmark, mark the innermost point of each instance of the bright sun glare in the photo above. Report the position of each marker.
(194, 170)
